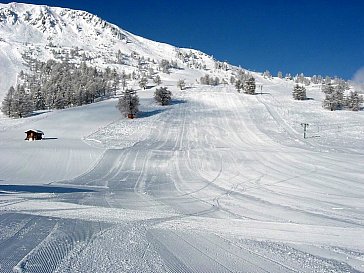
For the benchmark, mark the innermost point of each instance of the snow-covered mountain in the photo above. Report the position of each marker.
(41, 32)
(218, 181)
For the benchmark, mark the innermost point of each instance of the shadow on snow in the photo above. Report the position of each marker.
(49, 138)
(174, 102)
(147, 114)
(39, 189)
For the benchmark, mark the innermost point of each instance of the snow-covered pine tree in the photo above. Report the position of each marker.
(151, 72)
(157, 80)
(238, 85)
(339, 95)
(205, 79)
(299, 92)
(353, 101)
(163, 95)
(288, 77)
(242, 75)
(327, 80)
(21, 105)
(232, 80)
(60, 100)
(299, 78)
(143, 83)
(267, 74)
(115, 81)
(123, 79)
(215, 81)
(128, 103)
(314, 79)
(165, 66)
(249, 86)
(280, 75)
(329, 101)
(181, 84)
(8, 101)
(38, 99)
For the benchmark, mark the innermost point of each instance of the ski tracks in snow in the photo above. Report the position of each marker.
(205, 158)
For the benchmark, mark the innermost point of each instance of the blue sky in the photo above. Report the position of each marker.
(313, 37)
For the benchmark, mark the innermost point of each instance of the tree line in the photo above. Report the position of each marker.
(335, 97)
(54, 85)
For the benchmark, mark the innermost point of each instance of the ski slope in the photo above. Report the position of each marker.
(216, 182)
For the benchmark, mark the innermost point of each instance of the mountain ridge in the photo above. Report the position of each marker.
(40, 32)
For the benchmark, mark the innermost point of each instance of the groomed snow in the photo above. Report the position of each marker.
(217, 181)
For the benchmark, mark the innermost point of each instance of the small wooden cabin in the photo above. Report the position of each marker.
(34, 134)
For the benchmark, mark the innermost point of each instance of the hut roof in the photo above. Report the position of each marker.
(35, 131)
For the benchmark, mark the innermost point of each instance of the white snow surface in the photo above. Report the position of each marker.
(218, 181)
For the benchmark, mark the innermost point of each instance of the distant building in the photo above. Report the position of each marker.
(34, 134)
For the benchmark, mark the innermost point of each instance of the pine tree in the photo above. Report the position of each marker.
(353, 101)
(249, 86)
(232, 80)
(238, 85)
(143, 83)
(59, 102)
(314, 79)
(128, 103)
(8, 101)
(205, 79)
(299, 92)
(115, 80)
(165, 66)
(339, 95)
(123, 78)
(163, 95)
(181, 84)
(119, 57)
(329, 101)
(267, 74)
(216, 81)
(280, 75)
(288, 77)
(327, 80)
(38, 99)
(157, 80)
(21, 105)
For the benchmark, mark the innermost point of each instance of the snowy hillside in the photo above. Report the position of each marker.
(40, 32)
(217, 181)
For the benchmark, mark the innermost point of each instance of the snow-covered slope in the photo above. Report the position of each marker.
(41, 32)
(218, 181)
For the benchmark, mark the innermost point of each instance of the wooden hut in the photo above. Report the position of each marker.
(34, 134)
